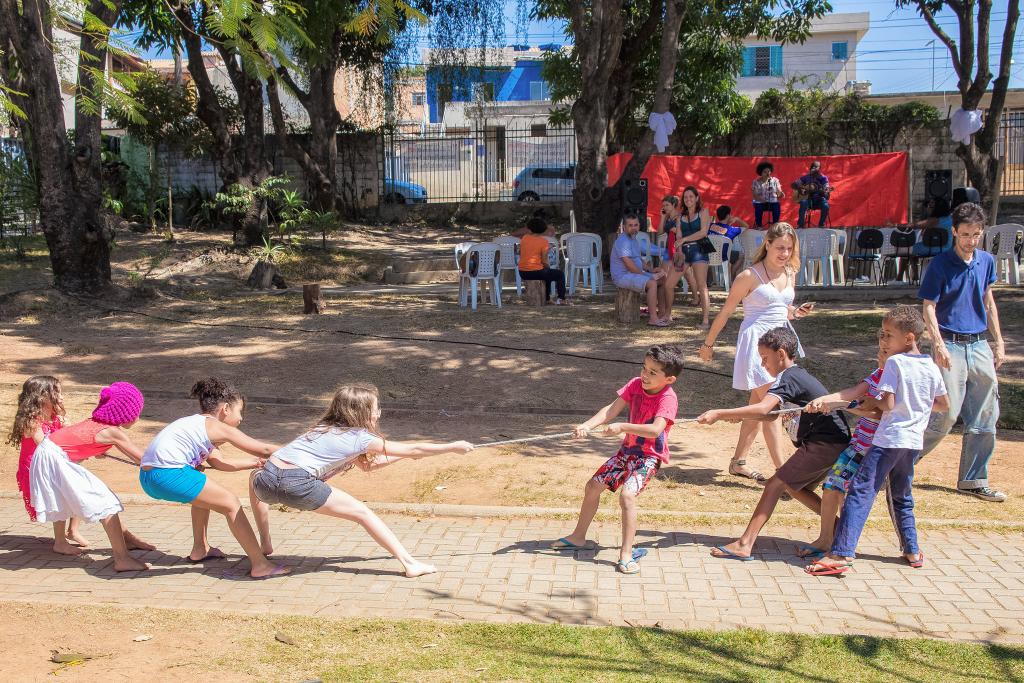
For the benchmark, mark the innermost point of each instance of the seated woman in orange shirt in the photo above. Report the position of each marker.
(533, 260)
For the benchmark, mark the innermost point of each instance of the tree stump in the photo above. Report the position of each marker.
(535, 292)
(265, 275)
(627, 305)
(312, 300)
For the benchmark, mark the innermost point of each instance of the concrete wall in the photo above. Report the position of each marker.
(360, 169)
(811, 62)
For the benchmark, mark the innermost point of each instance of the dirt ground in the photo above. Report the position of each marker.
(452, 374)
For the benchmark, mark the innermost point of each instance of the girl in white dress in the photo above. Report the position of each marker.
(766, 291)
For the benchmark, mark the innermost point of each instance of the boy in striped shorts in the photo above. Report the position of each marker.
(837, 483)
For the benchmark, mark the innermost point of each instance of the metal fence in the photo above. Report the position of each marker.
(19, 209)
(1010, 146)
(481, 163)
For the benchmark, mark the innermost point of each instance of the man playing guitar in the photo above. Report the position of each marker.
(813, 191)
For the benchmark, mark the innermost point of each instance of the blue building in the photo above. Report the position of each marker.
(516, 78)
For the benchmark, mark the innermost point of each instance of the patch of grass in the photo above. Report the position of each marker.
(336, 266)
(429, 651)
(424, 489)
(1011, 403)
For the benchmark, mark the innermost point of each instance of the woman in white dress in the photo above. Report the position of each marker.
(766, 291)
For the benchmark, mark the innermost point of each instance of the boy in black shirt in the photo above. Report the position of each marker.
(820, 438)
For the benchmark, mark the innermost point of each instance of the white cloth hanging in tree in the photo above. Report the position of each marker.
(963, 124)
(662, 125)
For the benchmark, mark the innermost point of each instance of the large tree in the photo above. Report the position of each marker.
(241, 33)
(68, 175)
(625, 62)
(969, 51)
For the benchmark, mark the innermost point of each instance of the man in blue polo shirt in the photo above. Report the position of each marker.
(959, 309)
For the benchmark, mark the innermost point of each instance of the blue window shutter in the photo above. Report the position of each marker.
(748, 62)
(776, 58)
(839, 51)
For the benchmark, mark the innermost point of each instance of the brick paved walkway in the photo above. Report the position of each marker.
(498, 570)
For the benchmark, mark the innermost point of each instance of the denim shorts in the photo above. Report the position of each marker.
(176, 484)
(295, 488)
(693, 254)
(636, 282)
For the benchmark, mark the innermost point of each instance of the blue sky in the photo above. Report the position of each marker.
(895, 55)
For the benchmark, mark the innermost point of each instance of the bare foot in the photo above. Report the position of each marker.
(130, 564)
(78, 538)
(62, 547)
(269, 570)
(419, 569)
(734, 549)
(135, 543)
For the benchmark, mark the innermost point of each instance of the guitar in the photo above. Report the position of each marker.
(805, 191)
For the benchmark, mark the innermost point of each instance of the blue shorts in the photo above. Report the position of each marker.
(693, 254)
(843, 471)
(179, 484)
(636, 282)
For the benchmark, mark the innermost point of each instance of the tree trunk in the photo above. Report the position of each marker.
(241, 157)
(69, 180)
(312, 299)
(154, 183)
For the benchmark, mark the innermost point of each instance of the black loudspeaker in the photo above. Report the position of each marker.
(965, 194)
(634, 198)
(938, 185)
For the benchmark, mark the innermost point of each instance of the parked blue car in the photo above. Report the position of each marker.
(403, 192)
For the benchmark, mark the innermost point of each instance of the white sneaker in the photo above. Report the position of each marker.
(986, 493)
(862, 278)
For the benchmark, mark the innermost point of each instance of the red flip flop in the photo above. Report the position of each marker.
(918, 563)
(819, 568)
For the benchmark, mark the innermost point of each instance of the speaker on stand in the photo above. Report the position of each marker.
(634, 198)
(938, 184)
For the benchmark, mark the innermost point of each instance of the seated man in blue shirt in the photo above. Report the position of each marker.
(959, 309)
(629, 272)
(814, 191)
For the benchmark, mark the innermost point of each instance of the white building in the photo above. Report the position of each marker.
(827, 59)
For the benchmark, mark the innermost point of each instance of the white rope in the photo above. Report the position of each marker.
(598, 430)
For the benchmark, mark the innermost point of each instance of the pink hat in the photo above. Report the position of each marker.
(120, 403)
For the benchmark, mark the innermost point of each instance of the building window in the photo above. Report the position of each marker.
(539, 90)
(483, 92)
(762, 60)
(419, 99)
(538, 130)
(839, 51)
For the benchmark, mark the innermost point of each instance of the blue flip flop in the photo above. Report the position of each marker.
(639, 553)
(566, 544)
(812, 552)
(730, 555)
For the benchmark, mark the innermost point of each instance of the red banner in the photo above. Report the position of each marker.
(870, 189)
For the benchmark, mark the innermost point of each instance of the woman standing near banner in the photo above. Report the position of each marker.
(767, 191)
(693, 247)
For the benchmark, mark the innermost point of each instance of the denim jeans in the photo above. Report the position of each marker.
(877, 464)
(548, 275)
(760, 207)
(973, 393)
(811, 204)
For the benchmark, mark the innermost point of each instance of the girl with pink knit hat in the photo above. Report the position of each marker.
(61, 488)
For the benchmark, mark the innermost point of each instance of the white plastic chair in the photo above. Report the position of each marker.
(838, 254)
(460, 249)
(1004, 252)
(715, 259)
(481, 266)
(553, 252)
(749, 242)
(816, 246)
(646, 251)
(510, 259)
(583, 261)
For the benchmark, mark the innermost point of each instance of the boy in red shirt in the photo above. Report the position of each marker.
(652, 411)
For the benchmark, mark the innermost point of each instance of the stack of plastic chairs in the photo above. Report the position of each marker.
(583, 259)
(510, 259)
(482, 266)
(716, 262)
(1001, 241)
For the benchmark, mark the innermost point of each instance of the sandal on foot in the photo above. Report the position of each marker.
(639, 554)
(214, 554)
(566, 544)
(820, 568)
(630, 567)
(658, 323)
(810, 552)
(729, 555)
(916, 564)
(279, 570)
(750, 474)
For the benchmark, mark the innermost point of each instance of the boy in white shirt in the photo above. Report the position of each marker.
(910, 389)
